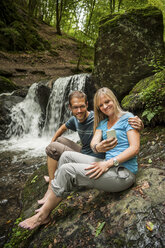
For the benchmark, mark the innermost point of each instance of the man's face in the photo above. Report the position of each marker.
(79, 108)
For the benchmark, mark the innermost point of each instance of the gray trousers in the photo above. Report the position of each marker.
(71, 174)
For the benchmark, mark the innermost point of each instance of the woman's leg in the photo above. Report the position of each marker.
(75, 157)
(42, 217)
(72, 175)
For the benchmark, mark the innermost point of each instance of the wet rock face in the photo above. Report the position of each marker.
(129, 46)
(6, 104)
(42, 94)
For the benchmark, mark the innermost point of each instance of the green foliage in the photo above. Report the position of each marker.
(153, 97)
(148, 96)
(18, 235)
(158, 65)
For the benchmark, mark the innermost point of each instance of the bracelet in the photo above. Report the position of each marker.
(94, 149)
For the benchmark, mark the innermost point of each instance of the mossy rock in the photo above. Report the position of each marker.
(129, 48)
(6, 85)
(148, 98)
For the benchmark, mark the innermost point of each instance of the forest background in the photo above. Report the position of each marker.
(76, 18)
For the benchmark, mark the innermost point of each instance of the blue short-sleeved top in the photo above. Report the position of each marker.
(122, 127)
(85, 132)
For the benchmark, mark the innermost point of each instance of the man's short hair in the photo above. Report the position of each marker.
(77, 94)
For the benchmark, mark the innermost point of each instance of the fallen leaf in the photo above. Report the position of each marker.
(9, 221)
(150, 161)
(99, 228)
(145, 185)
(150, 226)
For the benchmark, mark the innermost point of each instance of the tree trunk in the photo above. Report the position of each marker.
(58, 18)
(86, 31)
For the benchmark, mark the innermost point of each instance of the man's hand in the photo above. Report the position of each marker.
(136, 123)
(106, 145)
(97, 169)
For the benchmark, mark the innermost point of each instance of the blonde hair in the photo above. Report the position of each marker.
(98, 115)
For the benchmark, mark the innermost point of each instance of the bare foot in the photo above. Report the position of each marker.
(46, 178)
(34, 221)
(43, 200)
(38, 210)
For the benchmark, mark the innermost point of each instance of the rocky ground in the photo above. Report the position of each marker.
(152, 155)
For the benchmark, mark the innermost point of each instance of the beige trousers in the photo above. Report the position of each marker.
(71, 174)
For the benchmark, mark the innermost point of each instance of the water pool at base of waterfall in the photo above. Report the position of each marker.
(28, 146)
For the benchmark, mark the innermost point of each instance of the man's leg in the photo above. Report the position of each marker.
(54, 151)
(52, 166)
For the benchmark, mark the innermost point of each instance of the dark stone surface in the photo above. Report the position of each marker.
(6, 104)
(128, 48)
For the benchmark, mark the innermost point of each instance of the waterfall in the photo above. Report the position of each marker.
(57, 108)
(26, 117)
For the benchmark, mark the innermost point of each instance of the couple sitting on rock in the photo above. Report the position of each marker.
(103, 163)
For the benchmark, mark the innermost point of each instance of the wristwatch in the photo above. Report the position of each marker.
(94, 149)
(115, 162)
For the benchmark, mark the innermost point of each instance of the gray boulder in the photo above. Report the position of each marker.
(129, 47)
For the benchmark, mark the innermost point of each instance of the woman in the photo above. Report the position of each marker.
(114, 174)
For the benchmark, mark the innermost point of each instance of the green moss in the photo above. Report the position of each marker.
(113, 20)
(19, 235)
(6, 85)
(149, 96)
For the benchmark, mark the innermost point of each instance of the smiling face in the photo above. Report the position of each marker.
(106, 105)
(78, 106)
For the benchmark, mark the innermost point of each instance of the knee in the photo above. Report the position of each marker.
(67, 171)
(52, 150)
(64, 157)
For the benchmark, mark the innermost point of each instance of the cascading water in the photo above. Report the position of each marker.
(26, 130)
(25, 116)
(57, 108)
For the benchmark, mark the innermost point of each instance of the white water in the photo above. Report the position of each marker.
(26, 140)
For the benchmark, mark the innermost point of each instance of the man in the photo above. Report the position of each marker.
(82, 122)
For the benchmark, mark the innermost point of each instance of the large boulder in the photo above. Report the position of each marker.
(147, 99)
(129, 47)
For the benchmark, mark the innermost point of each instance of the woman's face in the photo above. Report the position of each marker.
(106, 105)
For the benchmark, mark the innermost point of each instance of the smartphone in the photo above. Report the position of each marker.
(111, 133)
